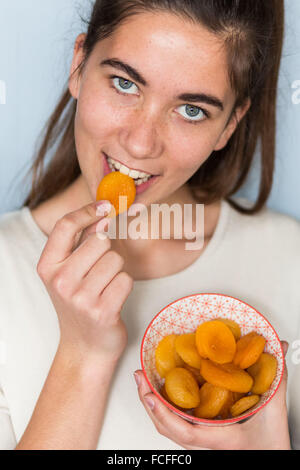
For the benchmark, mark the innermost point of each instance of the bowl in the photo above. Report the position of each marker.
(184, 316)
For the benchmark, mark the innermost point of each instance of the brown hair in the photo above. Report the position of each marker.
(253, 31)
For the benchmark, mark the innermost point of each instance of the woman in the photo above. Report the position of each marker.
(73, 335)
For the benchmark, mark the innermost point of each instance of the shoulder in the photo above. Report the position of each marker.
(268, 225)
(20, 240)
(12, 226)
(10, 222)
(269, 239)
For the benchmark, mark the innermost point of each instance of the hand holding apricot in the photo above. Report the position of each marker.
(257, 433)
(87, 288)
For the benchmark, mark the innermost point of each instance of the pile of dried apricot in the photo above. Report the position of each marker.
(215, 373)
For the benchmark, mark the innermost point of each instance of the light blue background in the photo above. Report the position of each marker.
(36, 45)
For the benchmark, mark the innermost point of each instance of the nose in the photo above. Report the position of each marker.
(140, 138)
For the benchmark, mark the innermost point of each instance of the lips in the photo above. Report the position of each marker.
(139, 189)
(142, 188)
(107, 157)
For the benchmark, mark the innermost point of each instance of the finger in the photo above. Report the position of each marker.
(145, 391)
(281, 392)
(190, 436)
(285, 347)
(114, 295)
(99, 226)
(63, 237)
(148, 400)
(168, 423)
(102, 273)
(84, 258)
(278, 403)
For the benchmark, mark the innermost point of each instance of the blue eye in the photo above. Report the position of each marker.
(121, 84)
(195, 112)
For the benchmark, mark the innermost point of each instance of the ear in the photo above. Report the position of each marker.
(232, 125)
(78, 56)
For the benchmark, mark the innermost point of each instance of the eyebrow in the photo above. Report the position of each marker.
(136, 76)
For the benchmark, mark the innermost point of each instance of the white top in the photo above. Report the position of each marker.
(254, 258)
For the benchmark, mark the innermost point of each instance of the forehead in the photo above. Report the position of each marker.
(172, 53)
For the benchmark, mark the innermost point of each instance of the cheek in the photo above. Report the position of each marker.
(96, 117)
(191, 150)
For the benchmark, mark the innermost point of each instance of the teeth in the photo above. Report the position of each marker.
(124, 170)
(138, 176)
(111, 166)
(134, 174)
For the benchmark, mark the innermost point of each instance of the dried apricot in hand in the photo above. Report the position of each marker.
(248, 350)
(234, 327)
(226, 376)
(113, 186)
(263, 373)
(185, 346)
(165, 395)
(225, 411)
(196, 373)
(244, 404)
(215, 341)
(212, 400)
(233, 397)
(182, 388)
(166, 357)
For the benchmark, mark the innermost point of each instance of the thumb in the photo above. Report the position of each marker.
(99, 226)
(285, 347)
(280, 395)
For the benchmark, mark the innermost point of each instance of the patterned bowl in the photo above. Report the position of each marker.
(184, 316)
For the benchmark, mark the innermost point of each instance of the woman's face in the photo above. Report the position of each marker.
(148, 126)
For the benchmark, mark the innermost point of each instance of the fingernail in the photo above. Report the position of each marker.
(137, 379)
(149, 402)
(103, 207)
(285, 347)
(103, 201)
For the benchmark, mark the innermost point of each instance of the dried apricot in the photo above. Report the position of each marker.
(185, 346)
(233, 397)
(226, 376)
(248, 350)
(263, 373)
(212, 400)
(234, 327)
(113, 186)
(244, 404)
(237, 396)
(182, 388)
(166, 357)
(215, 341)
(196, 373)
(165, 395)
(225, 411)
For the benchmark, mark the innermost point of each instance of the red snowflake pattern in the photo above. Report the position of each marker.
(184, 316)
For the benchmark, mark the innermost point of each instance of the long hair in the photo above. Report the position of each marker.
(253, 32)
